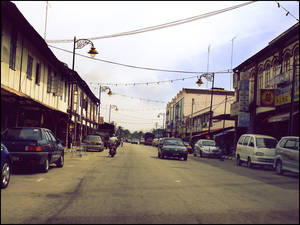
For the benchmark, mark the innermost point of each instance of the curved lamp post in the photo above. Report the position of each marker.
(112, 107)
(101, 89)
(78, 44)
(209, 77)
(162, 114)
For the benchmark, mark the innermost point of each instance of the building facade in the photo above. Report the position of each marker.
(188, 113)
(35, 85)
(263, 86)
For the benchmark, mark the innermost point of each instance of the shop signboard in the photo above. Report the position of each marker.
(267, 97)
(244, 95)
(244, 119)
(283, 95)
(234, 108)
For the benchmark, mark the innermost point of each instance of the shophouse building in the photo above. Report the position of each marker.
(188, 113)
(35, 85)
(263, 85)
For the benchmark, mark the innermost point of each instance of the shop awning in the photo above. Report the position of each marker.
(224, 132)
(281, 117)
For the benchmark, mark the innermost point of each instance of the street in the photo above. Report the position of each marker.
(137, 187)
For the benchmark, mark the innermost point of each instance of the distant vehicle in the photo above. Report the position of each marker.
(255, 149)
(142, 141)
(172, 147)
(188, 147)
(6, 166)
(287, 155)
(93, 142)
(33, 146)
(155, 142)
(134, 141)
(149, 138)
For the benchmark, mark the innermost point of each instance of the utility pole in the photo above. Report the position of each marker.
(292, 101)
(46, 20)
(211, 101)
(224, 112)
(231, 62)
(191, 119)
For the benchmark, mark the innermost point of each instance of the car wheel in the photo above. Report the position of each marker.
(60, 162)
(158, 155)
(45, 166)
(162, 156)
(279, 167)
(238, 161)
(195, 154)
(185, 158)
(201, 154)
(5, 175)
(249, 163)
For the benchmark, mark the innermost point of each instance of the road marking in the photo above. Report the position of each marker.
(39, 180)
(177, 181)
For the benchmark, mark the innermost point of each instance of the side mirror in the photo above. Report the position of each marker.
(58, 141)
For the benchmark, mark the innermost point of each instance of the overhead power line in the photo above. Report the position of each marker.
(138, 67)
(161, 26)
(287, 12)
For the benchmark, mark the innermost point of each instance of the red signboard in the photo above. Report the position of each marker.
(267, 97)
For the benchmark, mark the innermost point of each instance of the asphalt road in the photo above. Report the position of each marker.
(137, 187)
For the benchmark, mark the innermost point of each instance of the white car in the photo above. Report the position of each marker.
(287, 155)
(207, 148)
(255, 149)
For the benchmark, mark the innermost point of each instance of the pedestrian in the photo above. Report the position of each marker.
(69, 140)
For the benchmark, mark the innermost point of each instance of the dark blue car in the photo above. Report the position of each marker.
(6, 166)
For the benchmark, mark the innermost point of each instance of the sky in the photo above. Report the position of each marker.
(233, 37)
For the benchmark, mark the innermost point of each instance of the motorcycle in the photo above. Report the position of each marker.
(112, 150)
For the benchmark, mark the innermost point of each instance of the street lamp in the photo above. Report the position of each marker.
(101, 89)
(112, 107)
(162, 114)
(78, 44)
(209, 77)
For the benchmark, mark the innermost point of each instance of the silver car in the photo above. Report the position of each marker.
(205, 147)
(287, 155)
(93, 142)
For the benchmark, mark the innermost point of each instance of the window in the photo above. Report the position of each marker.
(66, 91)
(251, 142)
(286, 63)
(265, 143)
(292, 144)
(296, 62)
(282, 142)
(49, 80)
(29, 67)
(37, 74)
(268, 75)
(275, 72)
(51, 136)
(13, 50)
(241, 140)
(245, 142)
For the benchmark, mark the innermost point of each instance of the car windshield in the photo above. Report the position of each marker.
(93, 138)
(173, 142)
(266, 143)
(209, 143)
(22, 134)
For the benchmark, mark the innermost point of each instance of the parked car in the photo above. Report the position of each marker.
(134, 141)
(33, 146)
(188, 147)
(172, 147)
(93, 142)
(6, 166)
(155, 142)
(142, 141)
(207, 148)
(287, 155)
(255, 149)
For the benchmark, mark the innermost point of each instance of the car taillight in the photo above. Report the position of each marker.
(33, 148)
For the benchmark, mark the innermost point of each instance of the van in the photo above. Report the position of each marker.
(255, 149)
